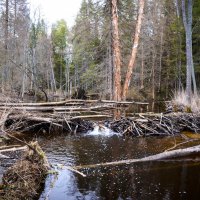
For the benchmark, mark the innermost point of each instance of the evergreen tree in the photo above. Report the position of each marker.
(59, 35)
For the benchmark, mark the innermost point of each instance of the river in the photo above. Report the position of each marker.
(168, 180)
(176, 179)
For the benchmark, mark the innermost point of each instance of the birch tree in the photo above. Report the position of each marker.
(190, 75)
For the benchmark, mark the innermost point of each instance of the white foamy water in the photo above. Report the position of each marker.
(102, 131)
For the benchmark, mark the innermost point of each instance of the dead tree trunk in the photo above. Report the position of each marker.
(134, 50)
(116, 52)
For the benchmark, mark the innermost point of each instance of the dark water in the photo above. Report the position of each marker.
(151, 180)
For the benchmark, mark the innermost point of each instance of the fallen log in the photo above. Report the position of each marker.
(13, 149)
(70, 102)
(59, 108)
(161, 156)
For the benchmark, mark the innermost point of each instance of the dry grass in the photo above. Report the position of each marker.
(180, 101)
(24, 179)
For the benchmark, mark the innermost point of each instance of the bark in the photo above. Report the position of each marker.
(134, 50)
(116, 52)
(110, 62)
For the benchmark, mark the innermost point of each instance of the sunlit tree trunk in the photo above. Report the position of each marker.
(116, 53)
(134, 50)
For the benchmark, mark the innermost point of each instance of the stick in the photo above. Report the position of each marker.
(71, 169)
(74, 170)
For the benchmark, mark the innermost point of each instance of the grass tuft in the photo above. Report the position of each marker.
(180, 100)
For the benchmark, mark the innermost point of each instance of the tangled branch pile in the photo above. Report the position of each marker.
(157, 124)
(24, 179)
(44, 123)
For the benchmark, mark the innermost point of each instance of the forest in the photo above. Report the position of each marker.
(106, 109)
(36, 58)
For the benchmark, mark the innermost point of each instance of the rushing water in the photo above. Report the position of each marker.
(151, 180)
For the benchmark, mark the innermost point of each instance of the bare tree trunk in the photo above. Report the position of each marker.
(61, 73)
(193, 73)
(110, 64)
(4, 75)
(160, 61)
(134, 50)
(153, 74)
(116, 52)
(24, 75)
(110, 56)
(179, 63)
(142, 69)
(187, 21)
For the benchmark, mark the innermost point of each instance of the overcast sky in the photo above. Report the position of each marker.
(53, 10)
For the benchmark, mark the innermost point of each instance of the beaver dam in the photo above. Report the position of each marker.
(99, 150)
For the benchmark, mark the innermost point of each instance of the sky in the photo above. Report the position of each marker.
(53, 10)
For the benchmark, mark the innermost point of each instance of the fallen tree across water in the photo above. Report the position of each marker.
(161, 156)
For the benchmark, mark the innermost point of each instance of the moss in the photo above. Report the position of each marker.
(188, 109)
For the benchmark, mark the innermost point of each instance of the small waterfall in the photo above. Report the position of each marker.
(102, 131)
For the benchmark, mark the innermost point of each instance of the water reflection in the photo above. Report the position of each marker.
(152, 180)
